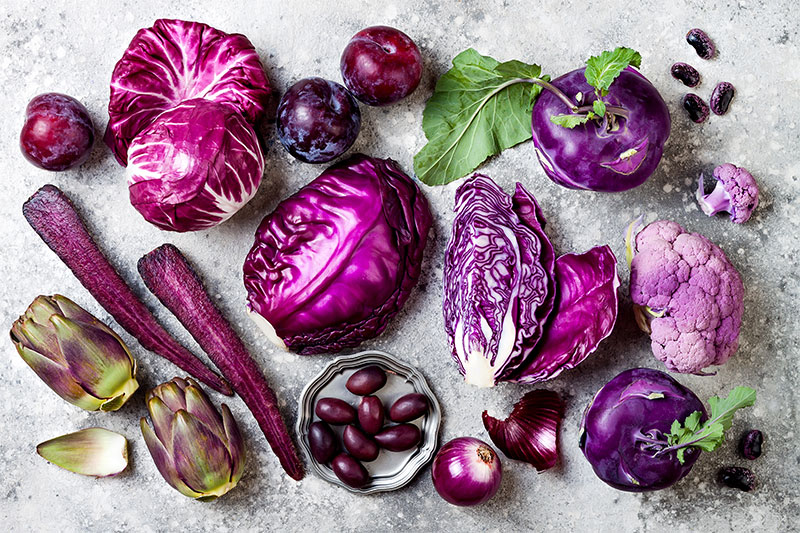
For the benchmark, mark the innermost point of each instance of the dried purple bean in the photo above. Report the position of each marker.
(686, 74)
(696, 107)
(750, 445)
(701, 43)
(737, 477)
(721, 97)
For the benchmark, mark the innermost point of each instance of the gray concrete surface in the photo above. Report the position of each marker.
(71, 47)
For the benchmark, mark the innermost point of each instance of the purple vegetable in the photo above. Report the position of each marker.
(695, 107)
(585, 314)
(686, 74)
(530, 433)
(53, 217)
(498, 280)
(590, 156)
(721, 97)
(736, 192)
(177, 60)
(701, 43)
(168, 275)
(687, 295)
(750, 444)
(633, 409)
(502, 283)
(466, 472)
(335, 262)
(194, 166)
(737, 477)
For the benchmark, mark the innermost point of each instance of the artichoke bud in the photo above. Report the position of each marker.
(197, 450)
(75, 354)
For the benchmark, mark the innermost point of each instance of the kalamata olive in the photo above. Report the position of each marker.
(701, 43)
(366, 381)
(322, 441)
(409, 407)
(335, 411)
(750, 445)
(359, 445)
(350, 471)
(686, 74)
(399, 438)
(737, 477)
(696, 107)
(721, 97)
(371, 414)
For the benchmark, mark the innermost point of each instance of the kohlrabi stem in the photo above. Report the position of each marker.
(556, 91)
(614, 110)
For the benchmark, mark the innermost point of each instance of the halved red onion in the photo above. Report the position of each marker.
(530, 433)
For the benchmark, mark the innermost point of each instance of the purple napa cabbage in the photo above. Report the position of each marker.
(177, 60)
(591, 157)
(736, 192)
(194, 166)
(332, 264)
(623, 430)
(498, 280)
(585, 314)
(512, 311)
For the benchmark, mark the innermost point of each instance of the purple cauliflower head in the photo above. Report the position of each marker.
(687, 295)
(736, 193)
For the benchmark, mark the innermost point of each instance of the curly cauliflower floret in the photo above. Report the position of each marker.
(736, 192)
(689, 296)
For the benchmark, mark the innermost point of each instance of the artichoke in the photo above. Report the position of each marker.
(197, 451)
(75, 354)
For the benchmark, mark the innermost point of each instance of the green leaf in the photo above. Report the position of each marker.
(480, 107)
(570, 121)
(711, 434)
(91, 452)
(602, 70)
(599, 107)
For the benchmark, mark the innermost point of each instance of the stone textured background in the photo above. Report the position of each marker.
(71, 47)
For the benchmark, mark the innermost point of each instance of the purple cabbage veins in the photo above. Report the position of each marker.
(502, 284)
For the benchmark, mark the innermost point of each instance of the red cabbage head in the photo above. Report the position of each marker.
(337, 260)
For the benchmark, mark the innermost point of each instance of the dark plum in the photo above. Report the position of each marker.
(399, 438)
(701, 43)
(318, 120)
(359, 445)
(381, 65)
(737, 477)
(721, 97)
(686, 74)
(322, 441)
(750, 445)
(366, 381)
(58, 133)
(350, 471)
(371, 414)
(695, 107)
(409, 407)
(335, 411)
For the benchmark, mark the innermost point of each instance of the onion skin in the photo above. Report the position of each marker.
(466, 472)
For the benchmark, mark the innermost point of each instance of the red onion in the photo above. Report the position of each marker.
(466, 471)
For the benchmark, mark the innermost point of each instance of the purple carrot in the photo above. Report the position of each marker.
(51, 214)
(169, 276)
